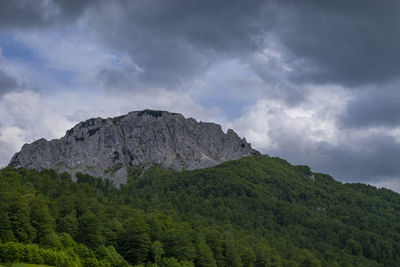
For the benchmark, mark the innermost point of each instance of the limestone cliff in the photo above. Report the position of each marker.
(107, 147)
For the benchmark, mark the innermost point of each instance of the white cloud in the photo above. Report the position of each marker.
(32, 113)
(11, 140)
(272, 122)
(26, 116)
(395, 133)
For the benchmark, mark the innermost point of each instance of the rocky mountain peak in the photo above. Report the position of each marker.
(107, 147)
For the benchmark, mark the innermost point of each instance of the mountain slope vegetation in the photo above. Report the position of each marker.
(256, 211)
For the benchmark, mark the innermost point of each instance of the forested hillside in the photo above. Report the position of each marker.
(257, 211)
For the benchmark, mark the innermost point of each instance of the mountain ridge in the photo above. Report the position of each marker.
(107, 147)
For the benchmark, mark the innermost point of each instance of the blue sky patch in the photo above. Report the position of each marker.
(13, 49)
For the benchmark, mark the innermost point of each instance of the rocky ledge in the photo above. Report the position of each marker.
(107, 147)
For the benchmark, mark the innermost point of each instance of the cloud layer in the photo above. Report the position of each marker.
(7, 83)
(314, 82)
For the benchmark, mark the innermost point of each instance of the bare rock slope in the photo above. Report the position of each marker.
(107, 147)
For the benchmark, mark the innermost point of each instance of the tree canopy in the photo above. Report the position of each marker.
(256, 211)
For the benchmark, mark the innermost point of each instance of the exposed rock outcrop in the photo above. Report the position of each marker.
(107, 147)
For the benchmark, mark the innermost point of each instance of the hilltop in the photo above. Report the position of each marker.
(107, 147)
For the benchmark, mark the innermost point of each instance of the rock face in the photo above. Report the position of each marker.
(107, 147)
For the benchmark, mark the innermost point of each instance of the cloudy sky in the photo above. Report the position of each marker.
(314, 82)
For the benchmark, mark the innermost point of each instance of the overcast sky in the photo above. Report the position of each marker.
(314, 82)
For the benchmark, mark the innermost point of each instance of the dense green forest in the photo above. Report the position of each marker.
(256, 211)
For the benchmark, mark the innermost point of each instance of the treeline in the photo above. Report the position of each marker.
(257, 211)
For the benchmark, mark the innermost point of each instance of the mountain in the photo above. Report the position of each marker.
(169, 211)
(107, 147)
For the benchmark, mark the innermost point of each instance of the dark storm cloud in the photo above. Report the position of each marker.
(342, 42)
(371, 158)
(20, 13)
(7, 83)
(350, 43)
(40, 13)
(373, 108)
(172, 41)
(217, 25)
